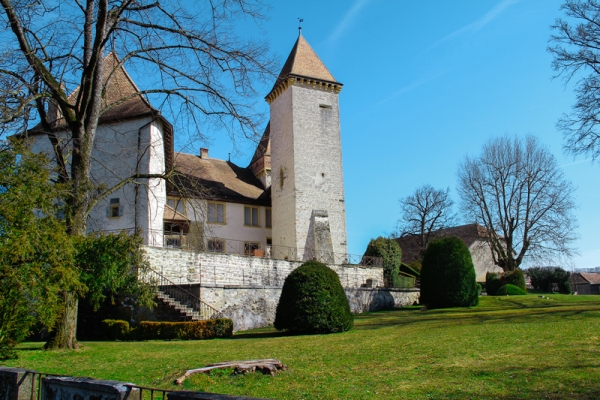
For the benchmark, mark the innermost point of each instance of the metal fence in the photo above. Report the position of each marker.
(34, 392)
(248, 248)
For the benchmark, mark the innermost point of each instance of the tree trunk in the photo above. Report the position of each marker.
(65, 334)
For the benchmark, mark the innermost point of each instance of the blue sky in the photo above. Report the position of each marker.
(426, 83)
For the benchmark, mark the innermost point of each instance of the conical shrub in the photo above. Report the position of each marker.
(313, 301)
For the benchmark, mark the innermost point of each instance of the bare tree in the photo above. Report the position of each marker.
(53, 57)
(426, 211)
(576, 49)
(516, 190)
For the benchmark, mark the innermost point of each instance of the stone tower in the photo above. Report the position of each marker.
(307, 184)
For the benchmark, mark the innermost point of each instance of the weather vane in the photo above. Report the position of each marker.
(300, 21)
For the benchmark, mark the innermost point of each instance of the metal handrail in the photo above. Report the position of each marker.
(238, 247)
(180, 294)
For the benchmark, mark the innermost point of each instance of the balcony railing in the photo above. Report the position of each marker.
(255, 249)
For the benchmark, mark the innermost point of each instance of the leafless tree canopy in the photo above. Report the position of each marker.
(575, 45)
(424, 212)
(516, 190)
(52, 55)
(53, 72)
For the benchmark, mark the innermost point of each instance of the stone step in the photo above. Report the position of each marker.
(182, 308)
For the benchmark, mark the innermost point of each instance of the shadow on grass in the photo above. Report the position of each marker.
(259, 335)
(473, 316)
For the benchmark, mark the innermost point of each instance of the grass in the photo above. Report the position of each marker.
(508, 347)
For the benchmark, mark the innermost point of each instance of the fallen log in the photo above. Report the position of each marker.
(267, 366)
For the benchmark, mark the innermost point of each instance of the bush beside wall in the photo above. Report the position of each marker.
(150, 330)
(116, 329)
(313, 301)
(391, 253)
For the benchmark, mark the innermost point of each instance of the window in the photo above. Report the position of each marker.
(177, 204)
(216, 245)
(250, 248)
(268, 248)
(268, 221)
(251, 216)
(216, 213)
(115, 209)
(281, 177)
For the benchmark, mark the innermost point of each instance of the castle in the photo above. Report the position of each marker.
(287, 203)
(221, 238)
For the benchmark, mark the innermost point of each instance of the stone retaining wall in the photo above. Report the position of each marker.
(188, 267)
(254, 306)
(247, 289)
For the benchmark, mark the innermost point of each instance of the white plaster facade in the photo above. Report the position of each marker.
(120, 151)
(482, 259)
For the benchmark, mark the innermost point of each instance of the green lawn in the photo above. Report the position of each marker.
(508, 347)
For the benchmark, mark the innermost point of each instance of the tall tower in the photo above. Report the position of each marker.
(307, 183)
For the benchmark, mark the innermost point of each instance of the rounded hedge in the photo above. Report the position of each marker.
(494, 281)
(511, 290)
(448, 275)
(313, 301)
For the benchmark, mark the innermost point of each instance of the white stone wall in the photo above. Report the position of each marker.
(306, 150)
(482, 259)
(255, 307)
(189, 267)
(247, 289)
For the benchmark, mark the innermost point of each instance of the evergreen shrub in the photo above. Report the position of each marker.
(448, 275)
(511, 290)
(150, 330)
(545, 279)
(516, 278)
(190, 330)
(313, 301)
(493, 281)
(116, 329)
(391, 253)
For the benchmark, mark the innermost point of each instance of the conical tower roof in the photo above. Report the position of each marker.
(305, 64)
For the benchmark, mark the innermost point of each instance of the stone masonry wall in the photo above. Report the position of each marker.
(247, 289)
(254, 306)
(188, 267)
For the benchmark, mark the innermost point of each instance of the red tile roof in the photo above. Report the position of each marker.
(467, 233)
(219, 180)
(591, 277)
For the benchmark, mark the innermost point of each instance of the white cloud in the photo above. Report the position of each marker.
(347, 20)
(407, 88)
(480, 23)
(576, 162)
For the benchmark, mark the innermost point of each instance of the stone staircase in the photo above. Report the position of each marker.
(185, 311)
(179, 298)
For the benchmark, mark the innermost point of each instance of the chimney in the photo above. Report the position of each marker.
(203, 153)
